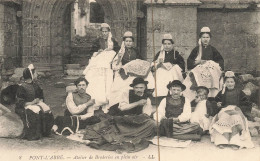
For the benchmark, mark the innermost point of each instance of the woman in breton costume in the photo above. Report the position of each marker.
(230, 126)
(98, 72)
(35, 114)
(127, 65)
(205, 64)
(168, 65)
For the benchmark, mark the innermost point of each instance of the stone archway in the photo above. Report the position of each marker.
(121, 15)
(47, 35)
(44, 39)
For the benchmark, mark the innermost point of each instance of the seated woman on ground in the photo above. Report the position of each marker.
(230, 126)
(35, 114)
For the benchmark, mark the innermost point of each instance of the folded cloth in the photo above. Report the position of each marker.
(138, 68)
(167, 66)
(44, 107)
(102, 60)
(100, 76)
(230, 120)
(164, 76)
(38, 107)
(207, 74)
(34, 108)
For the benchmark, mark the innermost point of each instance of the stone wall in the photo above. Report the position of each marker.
(1, 31)
(46, 33)
(60, 38)
(236, 34)
(83, 33)
(180, 22)
(120, 15)
(10, 38)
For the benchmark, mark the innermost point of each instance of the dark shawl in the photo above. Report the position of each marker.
(130, 54)
(241, 100)
(100, 43)
(169, 57)
(27, 92)
(209, 53)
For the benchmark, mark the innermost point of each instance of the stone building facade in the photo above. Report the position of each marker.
(52, 33)
(236, 33)
(10, 38)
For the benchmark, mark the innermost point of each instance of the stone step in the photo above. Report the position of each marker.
(43, 69)
(71, 88)
(74, 72)
(72, 66)
(19, 71)
(71, 77)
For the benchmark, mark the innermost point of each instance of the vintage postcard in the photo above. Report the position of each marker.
(132, 80)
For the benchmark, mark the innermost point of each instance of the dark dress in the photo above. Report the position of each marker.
(208, 53)
(128, 131)
(129, 55)
(101, 43)
(174, 58)
(35, 125)
(235, 97)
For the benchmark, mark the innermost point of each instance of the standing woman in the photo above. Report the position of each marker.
(98, 72)
(230, 126)
(124, 65)
(168, 65)
(35, 114)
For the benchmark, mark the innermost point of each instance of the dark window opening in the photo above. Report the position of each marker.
(96, 13)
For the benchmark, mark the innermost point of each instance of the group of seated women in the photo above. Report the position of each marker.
(113, 107)
(111, 70)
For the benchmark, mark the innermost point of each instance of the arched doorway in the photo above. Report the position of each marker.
(121, 15)
(45, 36)
(47, 33)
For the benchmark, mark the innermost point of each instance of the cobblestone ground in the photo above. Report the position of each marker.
(59, 148)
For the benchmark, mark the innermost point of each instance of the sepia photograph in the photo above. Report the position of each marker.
(129, 80)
